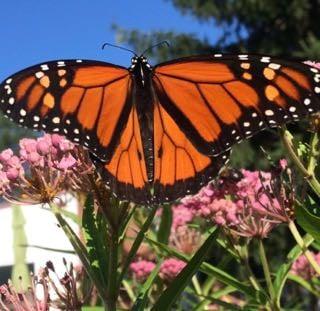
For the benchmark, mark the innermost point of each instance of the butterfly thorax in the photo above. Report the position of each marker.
(143, 96)
(141, 69)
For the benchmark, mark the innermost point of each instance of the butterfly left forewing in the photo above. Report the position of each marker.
(87, 101)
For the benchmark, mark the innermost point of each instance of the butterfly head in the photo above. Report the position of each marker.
(139, 62)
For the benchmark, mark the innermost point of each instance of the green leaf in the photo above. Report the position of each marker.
(210, 270)
(309, 222)
(95, 234)
(165, 225)
(141, 301)
(64, 251)
(306, 284)
(81, 251)
(283, 271)
(92, 309)
(173, 292)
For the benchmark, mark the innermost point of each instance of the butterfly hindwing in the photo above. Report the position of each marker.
(126, 173)
(180, 169)
(86, 101)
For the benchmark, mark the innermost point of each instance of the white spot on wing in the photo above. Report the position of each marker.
(307, 101)
(44, 67)
(274, 66)
(56, 120)
(269, 113)
(265, 59)
(39, 74)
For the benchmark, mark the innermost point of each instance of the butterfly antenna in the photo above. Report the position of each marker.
(119, 47)
(153, 46)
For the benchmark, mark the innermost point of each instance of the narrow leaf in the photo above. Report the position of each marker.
(80, 250)
(95, 236)
(165, 225)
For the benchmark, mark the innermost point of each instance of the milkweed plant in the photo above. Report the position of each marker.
(216, 250)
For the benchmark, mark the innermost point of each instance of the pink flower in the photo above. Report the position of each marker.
(43, 146)
(5, 155)
(170, 268)
(66, 162)
(181, 215)
(302, 267)
(313, 64)
(283, 163)
(141, 269)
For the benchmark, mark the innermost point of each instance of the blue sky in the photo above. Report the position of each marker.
(35, 31)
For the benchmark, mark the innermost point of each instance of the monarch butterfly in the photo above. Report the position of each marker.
(160, 133)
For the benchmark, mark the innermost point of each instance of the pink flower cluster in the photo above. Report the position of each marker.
(10, 169)
(181, 215)
(302, 267)
(141, 269)
(48, 151)
(169, 269)
(249, 205)
(40, 169)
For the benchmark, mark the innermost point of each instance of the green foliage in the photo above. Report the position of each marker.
(10, 133)
(309, 222)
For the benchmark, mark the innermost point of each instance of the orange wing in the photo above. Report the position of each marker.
(219, 100)
(126, 172)
(179, 169)
(86, 101)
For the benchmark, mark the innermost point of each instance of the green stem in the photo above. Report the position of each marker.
(112, 292)
(267, 274)
(308, 175)
(242, 253)
(314, 153)
(129, 291)
(253, 280)
(303, 247)
(196, 285)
